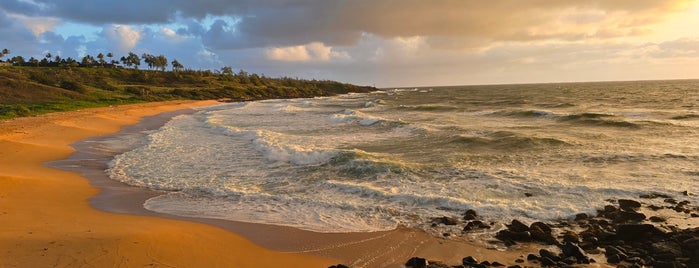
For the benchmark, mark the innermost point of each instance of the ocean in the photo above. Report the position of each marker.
(374, 161)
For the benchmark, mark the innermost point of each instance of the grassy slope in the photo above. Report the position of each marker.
(27, 91)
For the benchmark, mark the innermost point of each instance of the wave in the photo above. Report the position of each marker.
(430, 108)
(504, 140)
(686, 117)
(595, 119)
(525, 113)
(349, 115)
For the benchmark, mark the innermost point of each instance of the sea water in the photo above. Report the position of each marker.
(369, 162)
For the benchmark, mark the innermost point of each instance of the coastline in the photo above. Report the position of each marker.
(47, 220)
(54, 217)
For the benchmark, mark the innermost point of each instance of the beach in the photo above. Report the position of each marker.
(62, 205)
(48, 222)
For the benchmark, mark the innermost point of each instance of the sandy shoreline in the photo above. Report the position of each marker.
(50, 219)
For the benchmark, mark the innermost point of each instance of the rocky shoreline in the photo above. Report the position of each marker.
(626, 233)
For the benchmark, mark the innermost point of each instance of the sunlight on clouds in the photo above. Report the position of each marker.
(37, 25)
(125, 36)
(315, 51)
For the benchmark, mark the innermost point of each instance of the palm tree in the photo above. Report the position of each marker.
(110, 56)
(176, 65)
(101, 59)
(4, 52)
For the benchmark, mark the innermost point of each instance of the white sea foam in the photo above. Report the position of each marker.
(355, 163)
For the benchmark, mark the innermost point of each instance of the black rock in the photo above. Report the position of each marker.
(572, 250)
(469, 260)
(416, 262)
(507, 235)
(532, 257)
(470, 215)
(543, 226)
(528, 194)
(570, 236)
(617, 258)
(339, 266)
(637, 232)
(628, 216)
(657, 219)
(546, 261)
(544, 253)
(612, 250)
(539, 235)
(445, 220)
(497, 264)
(581, 217)
(485, 263)
(629, 205)
(514, 266)
(472, 225)
(517, 226)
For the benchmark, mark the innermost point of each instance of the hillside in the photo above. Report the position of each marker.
(28, 91)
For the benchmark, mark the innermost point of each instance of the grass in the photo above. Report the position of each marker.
(30, 91)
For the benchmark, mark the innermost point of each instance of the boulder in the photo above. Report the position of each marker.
(570, 236)
(571, 250)
(517, 226)
(629, 205)
(470, 215)
(546, 254)
(416, 262)
(543, 226)
(637, 232)
(510, 236)
(472, 225)
(539, 235)
(628, 216)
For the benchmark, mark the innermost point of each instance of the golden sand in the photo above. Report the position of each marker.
(45, 220)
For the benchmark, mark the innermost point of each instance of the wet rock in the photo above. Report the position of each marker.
(670, 201)
(581, 217)
(653, 196)
(445, 220)
(339, 266)
(514, 266)
(543, 226)
(629, 205)
(469, 260)
(517, 226)
(570, 236)
(657, 219)
(686, 193)
(497, 264)
(532, 257)
(628, 216)
(470, 215)
(631, 232)
(571, 250)
(616, 258)
(528, 194)
(546, 261)
(473, 225)
(654, 207)
(416, 262)
(664, 264)
(509, 236)
(542, 236)
(544, 253)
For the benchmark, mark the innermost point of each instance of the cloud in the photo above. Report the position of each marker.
(124, 36)
(450, 24)
(315, 51)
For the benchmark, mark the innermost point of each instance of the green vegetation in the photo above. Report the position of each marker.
(54, 84)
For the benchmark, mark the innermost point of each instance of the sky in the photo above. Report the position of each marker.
(385, 43)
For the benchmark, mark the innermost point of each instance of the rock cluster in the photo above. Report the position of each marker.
(624, 235)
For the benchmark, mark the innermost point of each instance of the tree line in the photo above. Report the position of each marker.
(131, 60)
